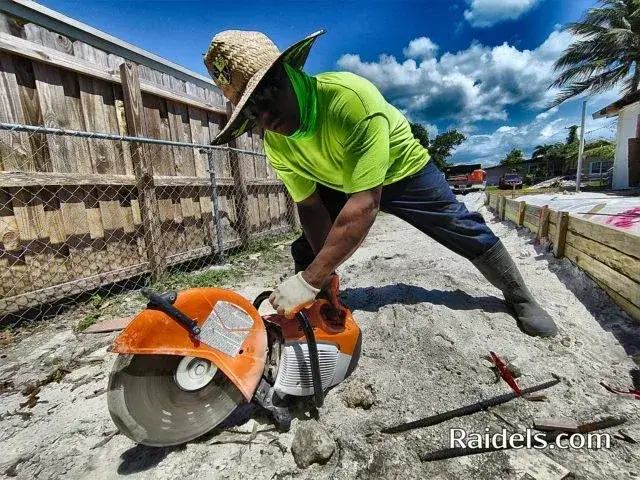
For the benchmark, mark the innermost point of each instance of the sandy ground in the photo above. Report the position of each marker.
(427, 317)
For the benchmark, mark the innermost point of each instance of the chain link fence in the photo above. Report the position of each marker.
(87, 215)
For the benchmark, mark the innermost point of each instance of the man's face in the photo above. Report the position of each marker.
(274, 105)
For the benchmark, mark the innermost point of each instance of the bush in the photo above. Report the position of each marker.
(528, 179)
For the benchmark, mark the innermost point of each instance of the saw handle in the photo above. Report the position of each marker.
(318, 393)
(305, 324)
(160, 302)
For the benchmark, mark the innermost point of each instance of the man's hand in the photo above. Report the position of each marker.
(292, 295)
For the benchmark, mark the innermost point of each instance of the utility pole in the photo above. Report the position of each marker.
(581, 148)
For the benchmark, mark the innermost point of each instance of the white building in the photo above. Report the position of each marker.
(626, 164)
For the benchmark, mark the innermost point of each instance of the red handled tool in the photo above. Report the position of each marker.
(629, 391)
(505, 373)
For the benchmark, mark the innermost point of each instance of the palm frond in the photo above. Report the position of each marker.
(595, 84)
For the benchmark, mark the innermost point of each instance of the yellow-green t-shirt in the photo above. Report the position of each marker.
(360, 141)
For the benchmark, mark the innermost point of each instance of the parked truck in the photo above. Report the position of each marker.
(465, 178)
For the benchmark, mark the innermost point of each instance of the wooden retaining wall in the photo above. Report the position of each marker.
(71, 215)
(609, 256)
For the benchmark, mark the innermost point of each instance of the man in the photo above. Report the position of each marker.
(344, 154)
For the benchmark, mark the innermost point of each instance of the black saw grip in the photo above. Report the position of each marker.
(305, 324)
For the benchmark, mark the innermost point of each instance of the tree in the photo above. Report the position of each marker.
(420, 133)
(442, 146)
(572, 136)
(605, 53)
(514, 159)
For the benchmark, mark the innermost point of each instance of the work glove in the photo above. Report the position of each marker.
(293, 295)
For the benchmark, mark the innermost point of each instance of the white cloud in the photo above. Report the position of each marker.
(489, 149)
(546, 113)
(471, 85)
(421, 47)
(486, 13)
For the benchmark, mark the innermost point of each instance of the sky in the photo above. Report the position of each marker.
(482, 66)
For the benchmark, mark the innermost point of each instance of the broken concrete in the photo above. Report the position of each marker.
(311, 444)
(358, 394)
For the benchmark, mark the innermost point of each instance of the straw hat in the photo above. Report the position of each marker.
(238, 61)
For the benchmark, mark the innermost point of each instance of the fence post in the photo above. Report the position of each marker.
(216, 205)
(543, 227)
(143, 169)
(502, 206)
(521, 209)
(562, 223)
(242, 197)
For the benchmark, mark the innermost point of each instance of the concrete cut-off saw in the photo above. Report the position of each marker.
(188, 360)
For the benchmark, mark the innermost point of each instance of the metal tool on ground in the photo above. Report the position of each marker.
(619, 391)
(170, 385)
(549, 437)
(505, 373)
(469, 409)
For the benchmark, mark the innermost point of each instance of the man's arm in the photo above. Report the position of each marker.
(315, 221)
(344, 237)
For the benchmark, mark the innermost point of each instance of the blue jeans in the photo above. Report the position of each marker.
(425, 201)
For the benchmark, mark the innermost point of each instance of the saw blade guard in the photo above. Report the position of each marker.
(232, 335)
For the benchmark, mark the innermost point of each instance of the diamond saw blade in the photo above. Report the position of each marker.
(148, 405)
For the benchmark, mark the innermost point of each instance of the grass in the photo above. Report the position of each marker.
(208, 278)
(93, 315)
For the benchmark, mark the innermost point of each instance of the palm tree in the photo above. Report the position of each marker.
(606, 52)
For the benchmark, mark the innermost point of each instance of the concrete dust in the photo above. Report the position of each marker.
(428, 319)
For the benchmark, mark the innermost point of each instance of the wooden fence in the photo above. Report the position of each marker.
(78, 213)
(609, 256)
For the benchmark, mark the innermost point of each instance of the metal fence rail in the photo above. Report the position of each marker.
(81, 211)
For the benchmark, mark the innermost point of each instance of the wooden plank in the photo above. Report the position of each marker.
(64, 110)
(617, 239)
(241, 197)
(274, 208)
(501, 208)
(532, 209)
(511, 210)
(614, 280)
(199, 125)
(623, 303)
(32, 113)
(9, 25)
(14, 275)
(44, 266)
(75, 218)
(156, 125)
(180, 131)
(15, 149)
(562, 221)
(99, 112)
(221, 157)
(25, 179)
(543, 230)
(121, 119)
(626, 265)
(143, 169)
(552, 231)
(53, 57)
(52, 99)
(533, 227)
(520, 214)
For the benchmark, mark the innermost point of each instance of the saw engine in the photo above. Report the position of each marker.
(191, 358)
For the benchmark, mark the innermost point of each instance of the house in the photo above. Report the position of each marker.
(626, 162)
(529, 166)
